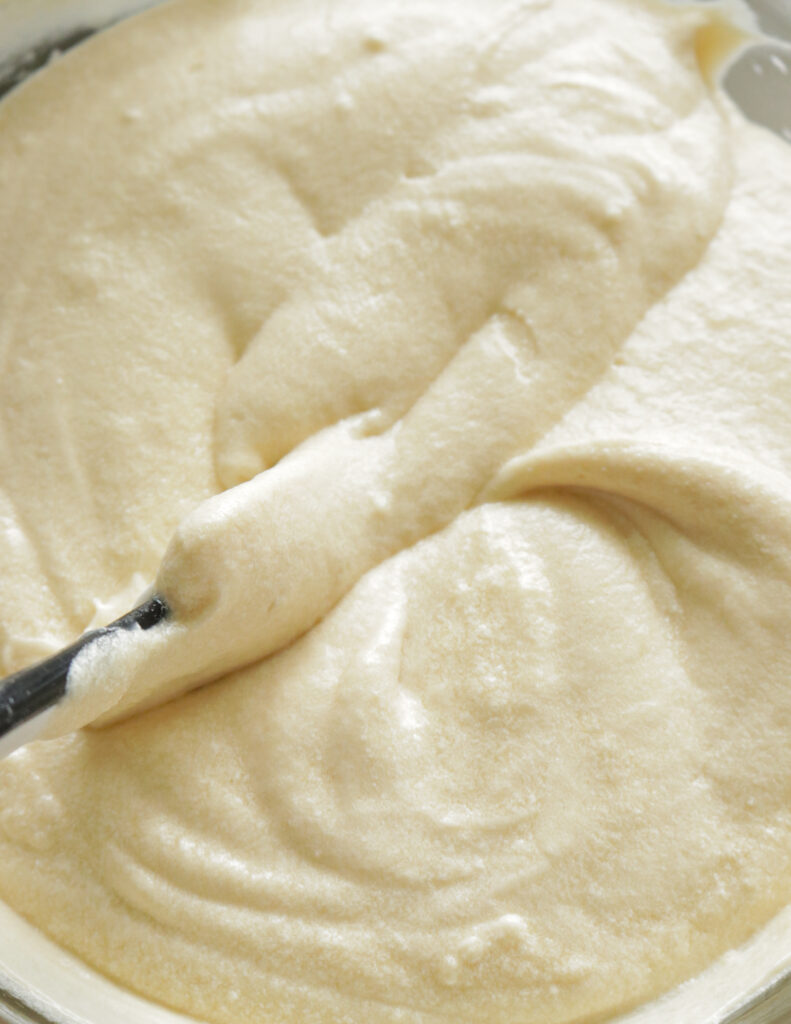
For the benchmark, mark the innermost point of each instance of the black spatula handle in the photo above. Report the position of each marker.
(34, 689)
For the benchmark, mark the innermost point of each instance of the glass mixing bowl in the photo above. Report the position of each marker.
(41, 984)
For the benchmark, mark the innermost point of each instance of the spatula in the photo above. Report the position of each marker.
(27, 696)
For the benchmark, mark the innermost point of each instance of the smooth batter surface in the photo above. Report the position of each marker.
(459, 333)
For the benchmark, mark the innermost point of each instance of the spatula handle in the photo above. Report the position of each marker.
(33, 690)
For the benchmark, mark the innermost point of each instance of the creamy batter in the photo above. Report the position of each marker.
(432, 357)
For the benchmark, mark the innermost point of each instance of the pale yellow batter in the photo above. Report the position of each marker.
(452, 340)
